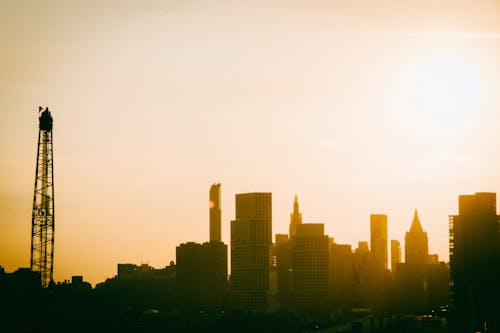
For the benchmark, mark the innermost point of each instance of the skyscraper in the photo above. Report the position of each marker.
(416, 243)
(475, 265)
(378, 240)
(395, 254)
(215, 213)
(189, 282)
(202, 275)
(250, 257)
(295, 217)
(214, 266)
(283, 267)
(342, 271)
(310, 267)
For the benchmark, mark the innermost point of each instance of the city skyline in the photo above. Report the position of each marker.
(294, 210)
(154, 101)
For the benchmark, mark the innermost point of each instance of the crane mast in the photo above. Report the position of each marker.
(43, 218)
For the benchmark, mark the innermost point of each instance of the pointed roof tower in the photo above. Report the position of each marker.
(295, 217)
(415, 224)
(416, 243)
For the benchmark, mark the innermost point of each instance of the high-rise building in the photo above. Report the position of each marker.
(378, 240)
(189, 282)
(363, 248)
(395, 254)
(342, 282)
(420, 284)
(215, 213)
(416, 243)
(433, 258)
(475, 265)
(283, 267)
(295, 217)
(215, 284)
(250, 251)
(202, 275)
(310, 267)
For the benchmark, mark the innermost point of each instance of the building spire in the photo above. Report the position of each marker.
(415, 224)
(295, 217)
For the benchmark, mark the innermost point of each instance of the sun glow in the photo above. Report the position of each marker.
(445, 89)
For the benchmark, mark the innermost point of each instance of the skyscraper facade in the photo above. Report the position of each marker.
(250, 251)
(202, 275)
(475, 265)
(283, 267)
(189, 282)
(378, 240)
(395, 254)
(342, 281)
(310, 267)
(215, 213)
(214, 267)
(416, 243)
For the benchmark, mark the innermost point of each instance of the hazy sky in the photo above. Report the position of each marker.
(358, 107)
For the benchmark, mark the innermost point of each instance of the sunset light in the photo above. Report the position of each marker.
(446, 88)
(344, 148)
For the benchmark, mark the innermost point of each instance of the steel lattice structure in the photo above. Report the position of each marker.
(43, 219)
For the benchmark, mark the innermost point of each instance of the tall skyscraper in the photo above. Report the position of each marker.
(310, 267)
(250, 251)
(395, 254)
(475, 265)
(378, 240)
(295, 217)
(43, 217)
(416, 243)
(215, 213)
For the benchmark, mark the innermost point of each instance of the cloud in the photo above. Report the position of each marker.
(459, 35)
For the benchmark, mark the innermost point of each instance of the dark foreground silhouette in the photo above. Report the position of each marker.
(134, 306)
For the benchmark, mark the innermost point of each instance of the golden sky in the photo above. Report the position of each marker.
(358, 107)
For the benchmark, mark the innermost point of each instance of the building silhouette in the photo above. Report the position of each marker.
(378, 239)
(201, 278)
(189, 280)
(202, 268)
(475, 265)
(215, 213)
(416, 243)
(295, 217)
(250, 252)
(145, 272)
(395, 254)
(411, 277)
(215, 284)
(343, 282)
(420, 284)
(361, 274)
(362, 249)
(310, 267)
(283, 266)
